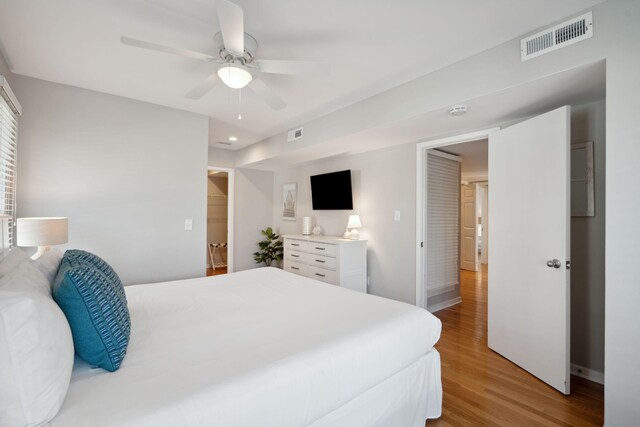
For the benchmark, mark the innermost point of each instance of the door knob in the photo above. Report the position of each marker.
(555, 263)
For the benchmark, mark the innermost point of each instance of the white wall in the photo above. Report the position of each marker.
(383, 181)
(252, 212)
(622, 297)
(4, 69)
(126, 173)
(587, 248)
(221, 158)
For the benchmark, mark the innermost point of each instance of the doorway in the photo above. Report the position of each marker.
(470, 145)
(529, 228)
(455, 180)
(219, 250)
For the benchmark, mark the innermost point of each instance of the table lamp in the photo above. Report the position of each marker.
(353, 224)
(42, 232)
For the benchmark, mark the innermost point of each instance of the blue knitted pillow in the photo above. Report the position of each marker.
(92, 298)
(81, 256)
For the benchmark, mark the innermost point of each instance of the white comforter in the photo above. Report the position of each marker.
(259, 347)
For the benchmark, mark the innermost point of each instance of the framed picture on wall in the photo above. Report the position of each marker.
(289, 201)
(582, 191)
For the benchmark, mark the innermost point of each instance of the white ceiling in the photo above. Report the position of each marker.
(371, 46)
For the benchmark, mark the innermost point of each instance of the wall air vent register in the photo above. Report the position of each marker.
(557, 37)
(294, 135)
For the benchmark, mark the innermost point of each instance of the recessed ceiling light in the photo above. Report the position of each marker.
(239, 116)
(233, 139)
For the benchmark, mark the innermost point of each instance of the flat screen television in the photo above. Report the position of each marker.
(331, 191)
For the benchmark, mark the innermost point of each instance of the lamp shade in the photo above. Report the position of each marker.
(234, 76)
(42, 231)
(354, 221)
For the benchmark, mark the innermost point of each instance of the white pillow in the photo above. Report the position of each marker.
(10, 260)
(25, 276)
(48, 264)
(36, 352)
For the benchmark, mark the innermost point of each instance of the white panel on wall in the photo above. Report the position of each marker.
(443, 223)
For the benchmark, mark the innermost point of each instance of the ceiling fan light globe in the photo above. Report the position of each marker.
(234, 76)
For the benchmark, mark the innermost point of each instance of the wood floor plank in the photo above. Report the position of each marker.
(481, 388)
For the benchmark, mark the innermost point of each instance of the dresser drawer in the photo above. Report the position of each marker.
(296, 245)
(296, 256)
(323, 275)
(322, 249)
(296, 267)
(321, 261)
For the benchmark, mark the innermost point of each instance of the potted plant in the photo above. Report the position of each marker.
(270, 248)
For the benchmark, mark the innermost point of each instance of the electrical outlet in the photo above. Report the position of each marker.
(396, 216)
(188, 224)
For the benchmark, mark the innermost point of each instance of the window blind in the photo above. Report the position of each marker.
(8, 163)
(443, 223)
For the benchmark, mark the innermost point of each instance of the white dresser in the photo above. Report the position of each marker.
(333, 260)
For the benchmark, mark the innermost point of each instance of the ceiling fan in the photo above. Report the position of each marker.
(238, 66)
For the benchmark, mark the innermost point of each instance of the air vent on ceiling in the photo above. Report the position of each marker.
(294, 135)
(224, 143)
(559, 36)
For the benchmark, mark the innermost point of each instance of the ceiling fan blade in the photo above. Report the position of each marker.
(203, 88)
(275, 66)
(231, 20)
(267, 94)
(166, 49)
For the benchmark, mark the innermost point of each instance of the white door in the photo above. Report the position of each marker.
(468, 228)
(529, 234)
(484, 252)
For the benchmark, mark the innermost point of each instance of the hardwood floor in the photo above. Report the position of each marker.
(217, 271)
(481, 388)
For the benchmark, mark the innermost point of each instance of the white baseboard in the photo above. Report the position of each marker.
(586, 373)
(444, 304)
(439, 290)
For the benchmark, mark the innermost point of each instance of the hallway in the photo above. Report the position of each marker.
(481, 388)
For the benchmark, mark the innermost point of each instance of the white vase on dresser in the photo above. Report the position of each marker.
(331, 259)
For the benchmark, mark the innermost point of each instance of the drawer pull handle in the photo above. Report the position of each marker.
(320, 249)
(319, 260)
(295, 244)
(295, 256)
(295, 268)
(321, 275)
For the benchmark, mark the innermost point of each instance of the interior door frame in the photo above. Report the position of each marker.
(230, 203)
(421, 200)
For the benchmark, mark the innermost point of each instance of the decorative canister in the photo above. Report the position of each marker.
(307, 225)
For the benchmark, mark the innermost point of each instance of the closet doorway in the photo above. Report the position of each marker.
(455, 179)
(452, 183)
(219, 250)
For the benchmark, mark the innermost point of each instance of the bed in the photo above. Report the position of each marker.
(263, 347)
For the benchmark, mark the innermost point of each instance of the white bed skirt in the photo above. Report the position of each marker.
(408, 398)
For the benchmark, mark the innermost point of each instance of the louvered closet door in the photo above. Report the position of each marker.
(442, 273)
(8, 140)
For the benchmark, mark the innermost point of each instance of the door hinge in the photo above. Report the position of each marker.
(422, 244)
(568, 265)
